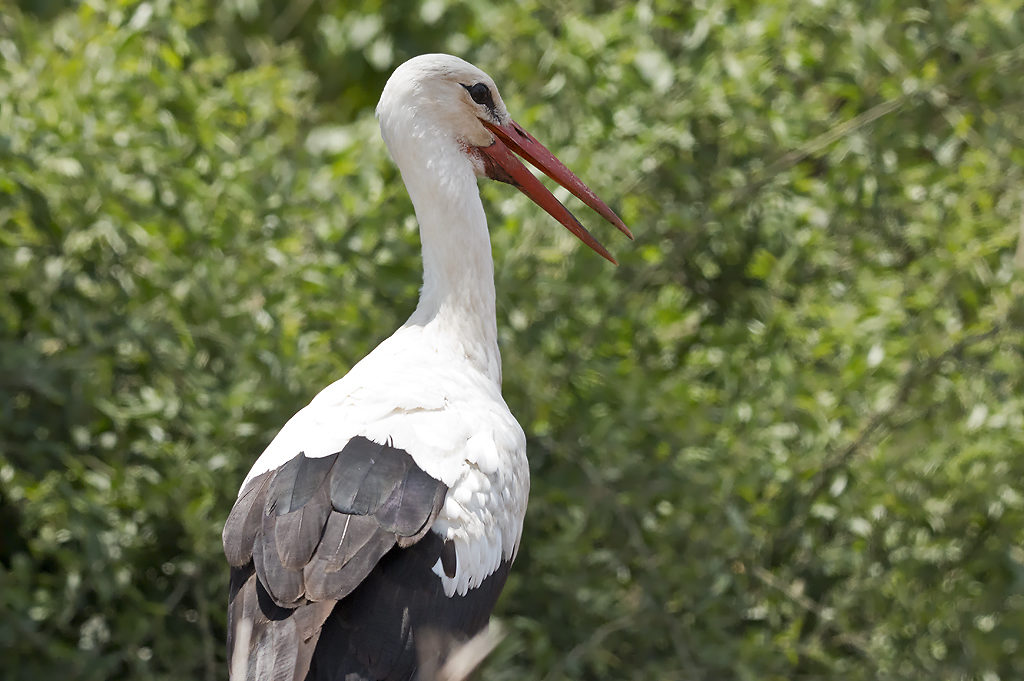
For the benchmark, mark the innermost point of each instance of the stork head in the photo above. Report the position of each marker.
(435, 103)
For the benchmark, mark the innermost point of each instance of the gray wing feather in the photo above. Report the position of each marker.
(298, 532)
(244, 521)
(307, 534)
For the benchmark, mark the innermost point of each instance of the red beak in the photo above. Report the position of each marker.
(501, 164)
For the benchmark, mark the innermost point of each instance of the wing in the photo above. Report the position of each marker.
(304, 536)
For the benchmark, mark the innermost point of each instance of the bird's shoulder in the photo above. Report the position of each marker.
(445, 420)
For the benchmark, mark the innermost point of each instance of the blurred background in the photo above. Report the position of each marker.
(783, 440)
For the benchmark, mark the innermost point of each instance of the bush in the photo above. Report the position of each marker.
(781, 441)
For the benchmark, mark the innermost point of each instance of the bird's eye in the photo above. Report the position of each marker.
(481, 94)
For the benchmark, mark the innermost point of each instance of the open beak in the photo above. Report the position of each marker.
(501, 164)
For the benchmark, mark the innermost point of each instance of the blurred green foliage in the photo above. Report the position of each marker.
(784, 440)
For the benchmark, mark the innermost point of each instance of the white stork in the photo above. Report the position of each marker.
(387, 512)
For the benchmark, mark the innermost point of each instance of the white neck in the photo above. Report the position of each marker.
(457, 299)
